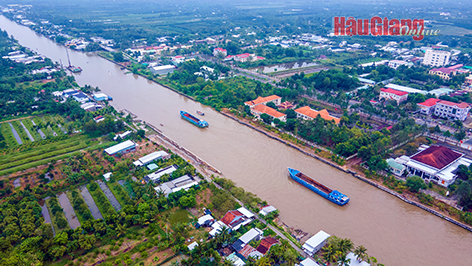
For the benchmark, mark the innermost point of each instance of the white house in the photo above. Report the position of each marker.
(267, 209)
(315, 243)
(308, 262)
(218, 51)
(427, 107)
(391, 94)
(396, 63)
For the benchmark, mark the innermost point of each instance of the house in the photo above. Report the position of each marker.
(263, 109)
(395, 95)
(395, 168)
(107, 176)
(234, 219)
(192, 246)
(184, 182)
(244, 57)
(237, 261)
(178, 59)
(91, 106)
(249, 251)
(80, 97)
(122, 135)
(405, 89)
(441, 91)
(286, 105)
(122, 148)
(253, 234)
(266, 244)
(205, 220)
(451, 110)
(217, 227)
(99, 118)
(315, 243)
(264, 100)
(468, 80)
(437, 164)
(157, 155)
(444, 73)
(218, 51)
(308, 262)
(354, 262)
(396, 63)
(156, 176)
(101, 97)
(162, 70)
(364, 81)
(307, 113)
(428, 106)
(436, 58)
(267, 209)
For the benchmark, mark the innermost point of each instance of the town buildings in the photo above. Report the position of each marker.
(443, 72)
(436, 58)
(396, 63)
(395, 95)
(184, 182)
(217, 51)
(260, 109)
(157, 155)
(156, 176)
(307, 113)
(435, 163)
(451, 110)
(265, 100)
(427, 107)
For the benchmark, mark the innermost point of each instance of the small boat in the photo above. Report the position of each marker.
(194, 120)
(74, 69)
(162, 125)
(332, 195)
(200, 113)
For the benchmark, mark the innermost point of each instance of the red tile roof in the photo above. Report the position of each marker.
(220, 49)
(285, 105)
(232, 218)
(437, 156)
(268, 110)
(246, 251)
(443, 70)
(245, 55)
(306, 110)
(260, 100)
(265, 244)
(430, 102)
(459, 105)
(392, 91)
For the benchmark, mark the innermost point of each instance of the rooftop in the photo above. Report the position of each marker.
(437, 156)
(444, 70)
(265, 244)
(246, 251)
(250, 235)
(430, 102)
(260, 100)
(405, 89)
(268, 110)
(393, 91)
(459, 105)
(306, 110)
(317, 239)
(121, 146)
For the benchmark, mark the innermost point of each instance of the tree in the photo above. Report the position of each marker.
(415, 183)
(460, 135)
(361, 253)
(291, 114)
(266, 118)
(446, 134)
(118, 57)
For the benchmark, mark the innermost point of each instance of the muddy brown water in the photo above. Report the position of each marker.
(393, 231)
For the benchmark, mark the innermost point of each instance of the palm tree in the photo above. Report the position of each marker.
(330, 253)
(345, 246)
(361, 253)
(343, 261)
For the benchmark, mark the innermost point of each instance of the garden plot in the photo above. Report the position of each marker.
(109, 195)
(90, 203)
(68, 210)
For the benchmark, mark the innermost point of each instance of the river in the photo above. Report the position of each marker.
(393, 231)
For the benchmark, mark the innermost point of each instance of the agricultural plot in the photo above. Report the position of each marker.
(30, 126)
(120, 193)
(43, 154)
(90, 203)
(5, 129)
(80, 207)
(109, 195)
(15, 134)
(68, 210)
(58, 217)
(100, 199)
(127, 186)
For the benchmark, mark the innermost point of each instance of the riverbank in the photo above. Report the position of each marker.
(351, 171)
(309, 152)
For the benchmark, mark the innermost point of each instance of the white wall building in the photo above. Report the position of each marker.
(396, 63)
(315, 243)
(436, 58)
(451, 110)
(391, 94)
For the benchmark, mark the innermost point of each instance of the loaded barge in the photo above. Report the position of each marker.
(324, 191)
(194, 120)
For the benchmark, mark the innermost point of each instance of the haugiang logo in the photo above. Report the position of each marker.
(376, 26)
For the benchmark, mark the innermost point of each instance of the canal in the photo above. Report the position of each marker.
(393, 231)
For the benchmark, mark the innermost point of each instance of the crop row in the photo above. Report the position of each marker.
(100, 199)
(5, 129)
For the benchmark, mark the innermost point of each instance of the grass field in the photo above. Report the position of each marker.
(5, 129)
(42, 154)
(29, 125)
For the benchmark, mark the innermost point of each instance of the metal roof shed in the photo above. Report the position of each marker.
(127, 145)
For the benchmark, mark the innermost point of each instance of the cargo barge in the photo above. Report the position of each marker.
(194, 120)
(332, 195)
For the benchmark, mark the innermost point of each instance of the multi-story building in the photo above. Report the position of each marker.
(427, 107)
(396, 63)
(391, 94)
(444, 73)
(451, 110)
(436, 58)
(218, 51)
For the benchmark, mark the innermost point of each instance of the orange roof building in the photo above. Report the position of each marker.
(306, 112)
(264, 100)
(262, 109)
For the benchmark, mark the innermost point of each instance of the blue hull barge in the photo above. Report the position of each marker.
(194, 120)
(329, 194)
